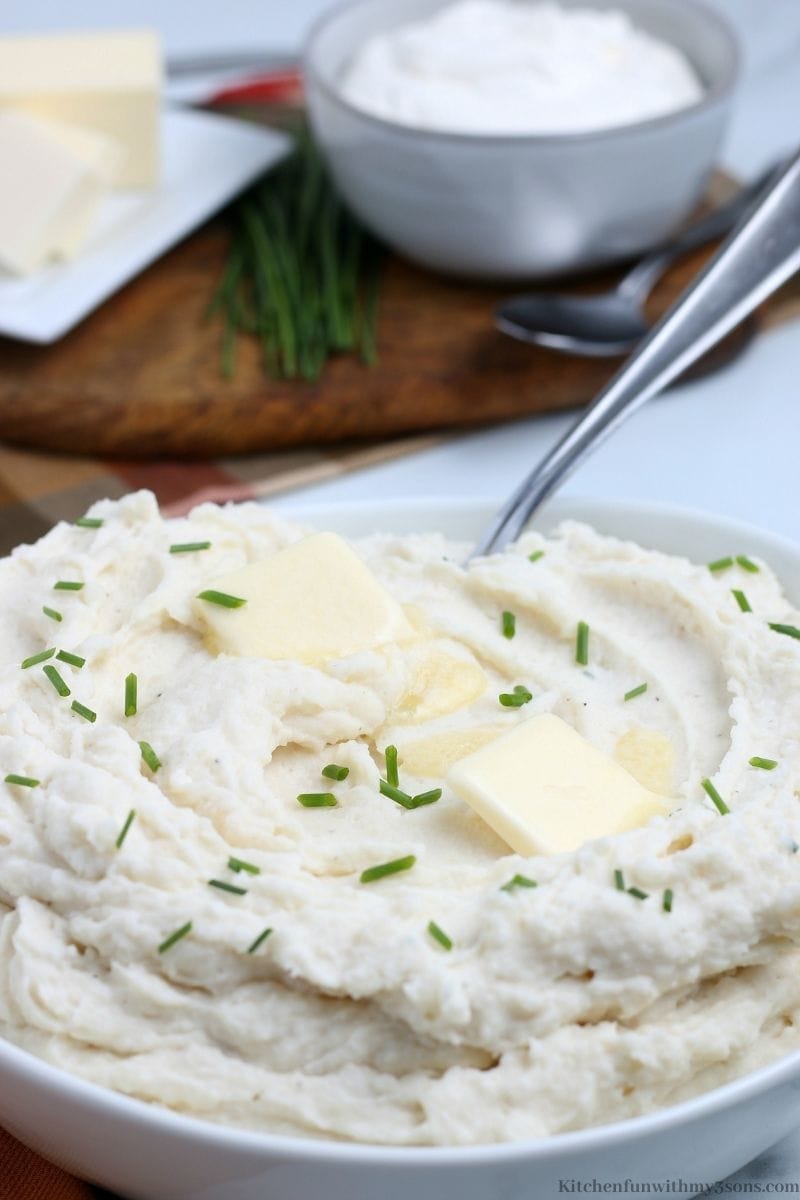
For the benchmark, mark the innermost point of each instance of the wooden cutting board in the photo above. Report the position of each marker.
(141, 377)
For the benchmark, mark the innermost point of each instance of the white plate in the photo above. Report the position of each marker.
(145, 1152)
(206, 160)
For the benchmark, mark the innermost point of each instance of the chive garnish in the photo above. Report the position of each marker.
(83, 711)
(721, 564)
(317, 800)
(711, 791)
(634, 692)
(123, 833)
(67, 585)
(426, 798)
(221, 598)
(638, 893)
(396, 794)
(582, 644)
(789, 630)
(74, 660)
(387, 868)
(766, 764)
(53, 613)
(747, 563)
(262, 937)
(131, 690)
(517, 698)
(169, 942)
(227, 887)
(518, 881)
(239, 864)
(666, 901)
(619, 880)
(741, 600)
(439, 935)
(535, 555)
(508, 624)
(56, 680)
(89, 522)
(187, 547)
(35, 659)
(149, 755)
(334, 771)
(392, 773)
(22, 780)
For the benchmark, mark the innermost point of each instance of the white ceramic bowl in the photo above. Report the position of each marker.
(148, 1153)
(521, 206)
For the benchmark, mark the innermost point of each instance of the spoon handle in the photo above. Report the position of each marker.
(761, 254)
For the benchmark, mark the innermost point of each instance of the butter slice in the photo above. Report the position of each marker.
(545, 790)
(108, 82)
(312, 602)
(54, 177)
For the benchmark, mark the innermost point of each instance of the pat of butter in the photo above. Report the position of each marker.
(441, 684)
(108, 82)
(313, 601)
(53, 179)
(544, 789)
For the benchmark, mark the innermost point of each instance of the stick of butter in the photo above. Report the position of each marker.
(545, 790)
(313, 601)
(109, 82)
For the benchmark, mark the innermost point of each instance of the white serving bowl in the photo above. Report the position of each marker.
(148, 1153)
(517, 207)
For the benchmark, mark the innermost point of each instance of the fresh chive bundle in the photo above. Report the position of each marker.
(302, 275)
(388, 868)
(439, 935)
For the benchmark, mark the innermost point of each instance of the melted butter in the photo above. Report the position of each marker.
(431, 757)
(440, 684)
(649, 756)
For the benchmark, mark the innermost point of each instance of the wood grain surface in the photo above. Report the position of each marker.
(141, 377)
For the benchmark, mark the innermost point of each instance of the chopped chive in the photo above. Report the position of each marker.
(35, 659)
(387, 868)
(131, 691)
(747, 564)
(638, 893)
(262, 937)
(396, 794)
(721, 564)
(187, 547)
(766, 764)
(83, 711)
(634, 692)
(439, 935)
(67, 585)
(22, 781)
(619, 880)
(518, 881)
(169, 942)
(334, 771)
(741, 600)
(535, 555)
(509, 625)
(221, 598)
(317, 800)
(74, 660)
(53, 613)
(711, 791)
(582, 644)
(517, 698)
(56, 680)
(666, 900)
(789, 630)
(149, 755)
(426, 798)
(227, 887)
(392, 773)
(123, 833)
(89, 522)
(239, 864)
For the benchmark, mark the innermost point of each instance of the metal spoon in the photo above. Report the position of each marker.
(761, 254)
(611, 323)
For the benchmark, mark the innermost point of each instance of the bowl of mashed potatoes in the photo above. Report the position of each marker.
(329, 867)
(513, 139)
